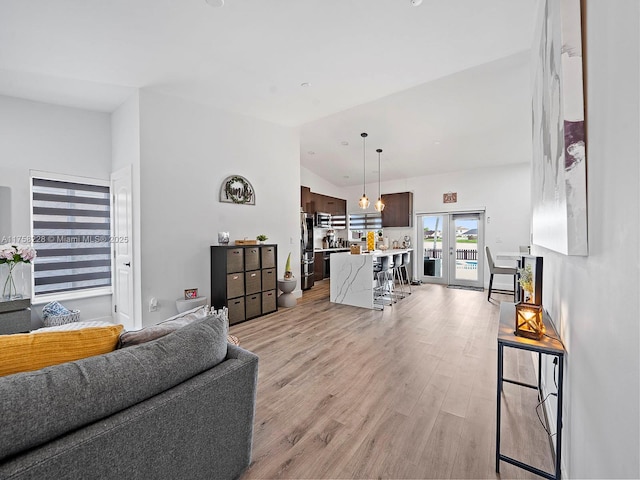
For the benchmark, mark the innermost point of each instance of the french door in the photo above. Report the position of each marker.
(452, 247)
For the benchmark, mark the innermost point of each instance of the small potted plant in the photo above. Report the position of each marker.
(261, 238)
(526, 282)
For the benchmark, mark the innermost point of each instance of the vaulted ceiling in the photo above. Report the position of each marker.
(431, 84)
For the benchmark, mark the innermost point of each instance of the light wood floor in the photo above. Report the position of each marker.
(408, 392)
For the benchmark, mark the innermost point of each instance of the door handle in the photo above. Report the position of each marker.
(128, 264)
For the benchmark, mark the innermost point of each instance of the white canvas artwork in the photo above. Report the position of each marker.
(559, 171)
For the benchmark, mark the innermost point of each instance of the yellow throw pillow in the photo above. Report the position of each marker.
(32, 351)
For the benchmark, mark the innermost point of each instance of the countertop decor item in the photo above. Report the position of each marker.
(371, 241)
(288, 274)
(246, 242)
(529, 314)
(223, 238)
(237, 189)
(12, 256)
(262, 238)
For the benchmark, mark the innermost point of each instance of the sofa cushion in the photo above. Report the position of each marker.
(136, 337)
(32, 351)
(39, 406)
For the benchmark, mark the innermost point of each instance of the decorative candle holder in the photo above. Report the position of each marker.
(529, 322)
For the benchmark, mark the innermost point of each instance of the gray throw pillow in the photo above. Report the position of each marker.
(153, 332)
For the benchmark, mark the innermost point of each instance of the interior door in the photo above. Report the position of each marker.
(123, 267)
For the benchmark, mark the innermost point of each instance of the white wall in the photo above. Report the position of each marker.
(503, 191)
(187, 150)
(594, 300)
(51, 138)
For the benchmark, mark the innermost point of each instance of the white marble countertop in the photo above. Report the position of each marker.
(341, 249)
(384, 253)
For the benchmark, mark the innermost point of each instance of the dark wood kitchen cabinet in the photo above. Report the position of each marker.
(306, 200)
(336, 206)
(244, 279)
(398, 209)
(312, 202)
(318, 266)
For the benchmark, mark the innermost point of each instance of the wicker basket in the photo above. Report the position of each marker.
(56, 320)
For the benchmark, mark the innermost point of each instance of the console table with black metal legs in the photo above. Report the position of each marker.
(547, 346)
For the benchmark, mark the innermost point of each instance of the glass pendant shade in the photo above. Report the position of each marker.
(364, 201)
(379, 206)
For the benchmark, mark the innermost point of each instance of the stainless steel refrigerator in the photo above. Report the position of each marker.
(306, 251)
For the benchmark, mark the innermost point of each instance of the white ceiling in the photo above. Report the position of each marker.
(448, 71)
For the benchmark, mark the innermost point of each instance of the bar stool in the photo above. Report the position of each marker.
(406, 258)
(383, 289)
(397, 273)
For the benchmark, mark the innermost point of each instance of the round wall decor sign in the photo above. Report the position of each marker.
(237, 189)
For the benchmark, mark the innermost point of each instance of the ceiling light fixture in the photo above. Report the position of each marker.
(379, 206)
(364, 200)
(215, 3)
(416, 3)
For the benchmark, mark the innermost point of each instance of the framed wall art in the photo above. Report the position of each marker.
(559, 170)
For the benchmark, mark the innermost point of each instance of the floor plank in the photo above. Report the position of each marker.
(407, 392)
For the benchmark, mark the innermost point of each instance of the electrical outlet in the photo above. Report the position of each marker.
(153, 304)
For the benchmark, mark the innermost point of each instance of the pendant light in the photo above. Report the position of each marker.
(364, 200)
(379, 206)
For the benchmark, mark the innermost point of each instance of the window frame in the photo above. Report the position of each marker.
(87, 292)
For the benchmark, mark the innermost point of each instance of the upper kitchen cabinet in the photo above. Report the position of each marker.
(398, 209)
(312, 202)
(305, 200)
(335, 206)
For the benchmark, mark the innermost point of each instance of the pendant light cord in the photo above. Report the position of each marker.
(379, 191)
(364, 163)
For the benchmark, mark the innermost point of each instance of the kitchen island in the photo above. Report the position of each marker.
(353, 278)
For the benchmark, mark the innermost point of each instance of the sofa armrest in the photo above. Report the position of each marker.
(233, 351)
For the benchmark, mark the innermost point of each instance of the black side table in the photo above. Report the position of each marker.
(15, 316)
(547, 346)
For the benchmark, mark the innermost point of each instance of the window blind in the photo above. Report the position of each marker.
(365, 221)
(338, 221)
(72, 235)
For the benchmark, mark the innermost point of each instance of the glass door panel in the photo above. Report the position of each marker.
(465, 250)
(434, 265)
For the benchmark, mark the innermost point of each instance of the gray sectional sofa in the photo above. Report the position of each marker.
(179, 407)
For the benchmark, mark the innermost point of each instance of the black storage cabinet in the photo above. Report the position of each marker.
(243, 279)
